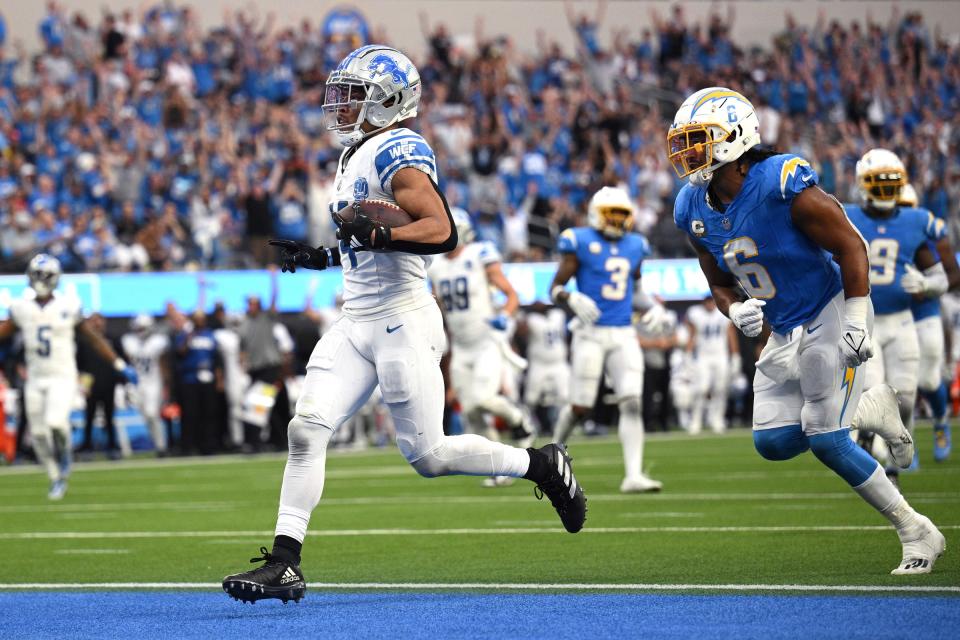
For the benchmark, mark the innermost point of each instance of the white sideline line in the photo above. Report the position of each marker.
(506, 586)
(84, 535)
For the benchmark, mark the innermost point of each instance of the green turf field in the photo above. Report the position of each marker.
(726, 516)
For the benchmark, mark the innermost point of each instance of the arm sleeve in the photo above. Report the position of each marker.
(401, 151)
(567, 243)
(488, 254)
(795, 174)
(936, 229)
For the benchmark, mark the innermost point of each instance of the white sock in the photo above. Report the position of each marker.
(630, 430)
(302, 477)
(158, 433)
(882, 495)
(473, 455)
(566, 422)
(43, 447)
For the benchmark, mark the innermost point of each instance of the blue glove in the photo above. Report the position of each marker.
(126, 371)
(500, 322)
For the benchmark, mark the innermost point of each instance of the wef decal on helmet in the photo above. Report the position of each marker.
(374, 84)
(610, 212)
(43, 274)
(881, 178)
(713, 127)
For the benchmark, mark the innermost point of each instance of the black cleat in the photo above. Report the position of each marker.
(276, 579)
(562, 488)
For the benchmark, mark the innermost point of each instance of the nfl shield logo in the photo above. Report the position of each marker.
(725, 223)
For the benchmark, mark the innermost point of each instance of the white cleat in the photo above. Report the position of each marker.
(885, 421)
(924, 544)
(640, 484)
(58, 489)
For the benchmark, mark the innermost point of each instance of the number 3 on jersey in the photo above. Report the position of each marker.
(619, 270)
(753, 277)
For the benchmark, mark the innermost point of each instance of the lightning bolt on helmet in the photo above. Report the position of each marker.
(377, 82)
(713, 127)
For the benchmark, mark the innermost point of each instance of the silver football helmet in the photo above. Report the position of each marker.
(43, 274)
(375, 84)
(461, 220)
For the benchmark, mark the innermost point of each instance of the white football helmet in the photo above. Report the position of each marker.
(461, 220)
(610, 212)
(880, 178)
(376, 83)
(908, 197)
(141, 323)
(713, 127)
(43, 274)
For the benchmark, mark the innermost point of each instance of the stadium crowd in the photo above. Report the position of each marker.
(142, 140)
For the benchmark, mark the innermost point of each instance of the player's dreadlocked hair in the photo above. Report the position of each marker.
(758, 154)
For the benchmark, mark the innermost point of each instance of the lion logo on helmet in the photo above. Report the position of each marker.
(384, 64)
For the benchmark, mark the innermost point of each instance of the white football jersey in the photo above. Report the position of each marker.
(228, 342)
(546, 337)
(48, 334)
(380, 284)
(144, 353)
(461, 284)
(711, 338)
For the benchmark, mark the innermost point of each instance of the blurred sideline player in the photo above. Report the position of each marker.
(547, 383)
(902, 267)
(391, 330)
(605, 258)
(761, 226)
(48, 321)
(932, 382)
(715, 354)
(461, 280)
(144, 348)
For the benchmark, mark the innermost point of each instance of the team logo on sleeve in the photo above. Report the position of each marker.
(361, 189)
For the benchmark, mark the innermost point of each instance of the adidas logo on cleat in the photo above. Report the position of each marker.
(919, 563)
(289, 576)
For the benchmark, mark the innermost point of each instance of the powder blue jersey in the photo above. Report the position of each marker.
(606, 270)
(894, 242)
(756, 241)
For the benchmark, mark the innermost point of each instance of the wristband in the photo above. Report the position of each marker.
(855, 310)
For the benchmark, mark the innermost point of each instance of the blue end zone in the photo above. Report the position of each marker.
(436, 616)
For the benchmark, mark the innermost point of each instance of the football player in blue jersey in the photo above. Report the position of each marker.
(761, 226)
(605, 258)
(902, 268)
(933, 377)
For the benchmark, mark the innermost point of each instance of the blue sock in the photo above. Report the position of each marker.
(938, 402)
(843, 456)
(780, 443)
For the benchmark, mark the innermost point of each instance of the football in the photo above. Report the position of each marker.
(379, 210)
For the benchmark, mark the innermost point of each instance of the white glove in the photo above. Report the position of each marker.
(655, 319)
(855, 344)
(930, 282)
(913, 280)
(583, 307)
(748, 316)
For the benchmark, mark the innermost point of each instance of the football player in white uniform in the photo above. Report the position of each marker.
(48, 321)
(145, 348)
(391, 330)
(713, 345)
(547, 381)
(462, 281)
